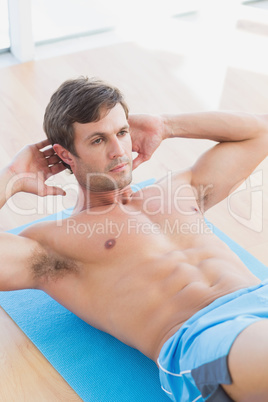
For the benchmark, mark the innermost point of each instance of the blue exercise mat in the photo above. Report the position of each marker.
(96, 365)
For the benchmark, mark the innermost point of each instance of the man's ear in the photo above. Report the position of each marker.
(63, 154)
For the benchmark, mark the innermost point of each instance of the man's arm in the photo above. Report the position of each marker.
(242, 143)
(27, 172)
(18, 256)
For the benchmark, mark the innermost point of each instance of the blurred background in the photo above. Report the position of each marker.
(202, 31)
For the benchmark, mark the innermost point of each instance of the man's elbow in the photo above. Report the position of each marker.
(263, 127)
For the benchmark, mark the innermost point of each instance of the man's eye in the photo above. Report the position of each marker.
(122, 133)
(97, 141)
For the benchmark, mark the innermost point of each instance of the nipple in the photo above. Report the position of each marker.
(109, 243)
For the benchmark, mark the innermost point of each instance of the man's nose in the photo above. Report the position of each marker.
(116, 150)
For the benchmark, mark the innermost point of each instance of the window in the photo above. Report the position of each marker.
(53, 20)
(4, 26)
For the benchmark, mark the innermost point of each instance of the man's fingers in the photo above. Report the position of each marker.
(135, 147)
(138, 160)
(42, 144)
(48, 152)
(52, 190)
(53, 159)
(57, 168)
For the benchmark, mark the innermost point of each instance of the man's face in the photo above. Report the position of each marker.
(104, 149)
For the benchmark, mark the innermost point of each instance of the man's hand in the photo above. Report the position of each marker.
(32, 166)
(147, 133)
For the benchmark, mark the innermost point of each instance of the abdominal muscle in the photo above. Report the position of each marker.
(144, 298)
(152, 302)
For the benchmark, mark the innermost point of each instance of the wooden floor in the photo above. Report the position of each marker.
(154, 81)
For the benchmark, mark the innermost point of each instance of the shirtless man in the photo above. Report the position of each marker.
(161, 291)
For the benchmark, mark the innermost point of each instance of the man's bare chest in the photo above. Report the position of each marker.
(121, 234)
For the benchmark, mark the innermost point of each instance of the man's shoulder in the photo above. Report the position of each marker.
(169, 182)
(162, 194)
(55, 252)
(39, 231)
(182, 176)
(59, 238)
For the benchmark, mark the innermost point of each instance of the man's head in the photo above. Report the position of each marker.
(86, 122)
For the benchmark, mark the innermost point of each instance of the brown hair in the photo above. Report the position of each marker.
(80, 100)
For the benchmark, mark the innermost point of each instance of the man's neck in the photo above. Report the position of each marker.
(90, 199)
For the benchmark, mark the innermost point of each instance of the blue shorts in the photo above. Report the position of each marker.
(193, 362)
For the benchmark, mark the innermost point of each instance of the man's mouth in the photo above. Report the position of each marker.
(119, 168)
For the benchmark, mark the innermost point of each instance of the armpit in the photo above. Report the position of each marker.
(48, 266)
(203, 196)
